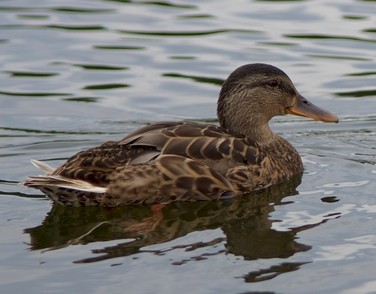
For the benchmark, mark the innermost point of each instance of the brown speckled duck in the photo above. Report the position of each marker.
(188, 161)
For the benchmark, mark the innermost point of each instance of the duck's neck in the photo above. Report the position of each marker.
(283, 157)
(261, 134)
(279, 150)
(255, 130)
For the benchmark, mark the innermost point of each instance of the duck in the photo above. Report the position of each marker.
(189, 161)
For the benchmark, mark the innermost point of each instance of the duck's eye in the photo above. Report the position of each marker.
(272, 83)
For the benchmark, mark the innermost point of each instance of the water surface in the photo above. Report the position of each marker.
(76, 73)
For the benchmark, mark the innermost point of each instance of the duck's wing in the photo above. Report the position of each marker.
(168, 178)
(208, 144)
(96, 164)
(196, 141)
(158, 163)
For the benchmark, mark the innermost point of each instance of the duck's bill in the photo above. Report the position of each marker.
(303, 107)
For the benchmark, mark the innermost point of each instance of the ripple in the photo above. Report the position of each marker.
(62, 9)
(275, 270)
(33, 16)
(106, 86)
(101, 67)
(285, 44)
(11, 9)
(369, 30)
(81, 10)
(116, 47)
(366, 73)
(156, 3)
(182, 57)
(301, 218)
(76, 28)
(20, 194)
(52, 132)
(349, 250)
(339, 57)
(199, 79)
(83, 99)
(280, 0)
(193, 16)
(186, 33)
(31, 74)
(358, 93)
(345, 184)
(54, 26)
(355, 17)
(330, 37)
(367, 208)
(329, 199)
(33, 94)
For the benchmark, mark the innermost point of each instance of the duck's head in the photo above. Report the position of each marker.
(254, 93)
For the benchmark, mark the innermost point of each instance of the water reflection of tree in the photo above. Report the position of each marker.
(244, 221)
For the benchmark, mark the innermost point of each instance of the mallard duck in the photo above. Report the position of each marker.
(187, 161)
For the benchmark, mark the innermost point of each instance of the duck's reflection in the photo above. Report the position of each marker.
(244, 221)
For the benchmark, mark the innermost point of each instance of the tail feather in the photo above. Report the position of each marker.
(47, 170)
(61, 182)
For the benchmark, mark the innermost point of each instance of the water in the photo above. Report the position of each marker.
(77, 73)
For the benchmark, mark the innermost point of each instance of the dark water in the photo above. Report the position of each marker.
(77, 73)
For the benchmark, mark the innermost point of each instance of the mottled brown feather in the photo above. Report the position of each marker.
(201, 168)
(187, 161)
